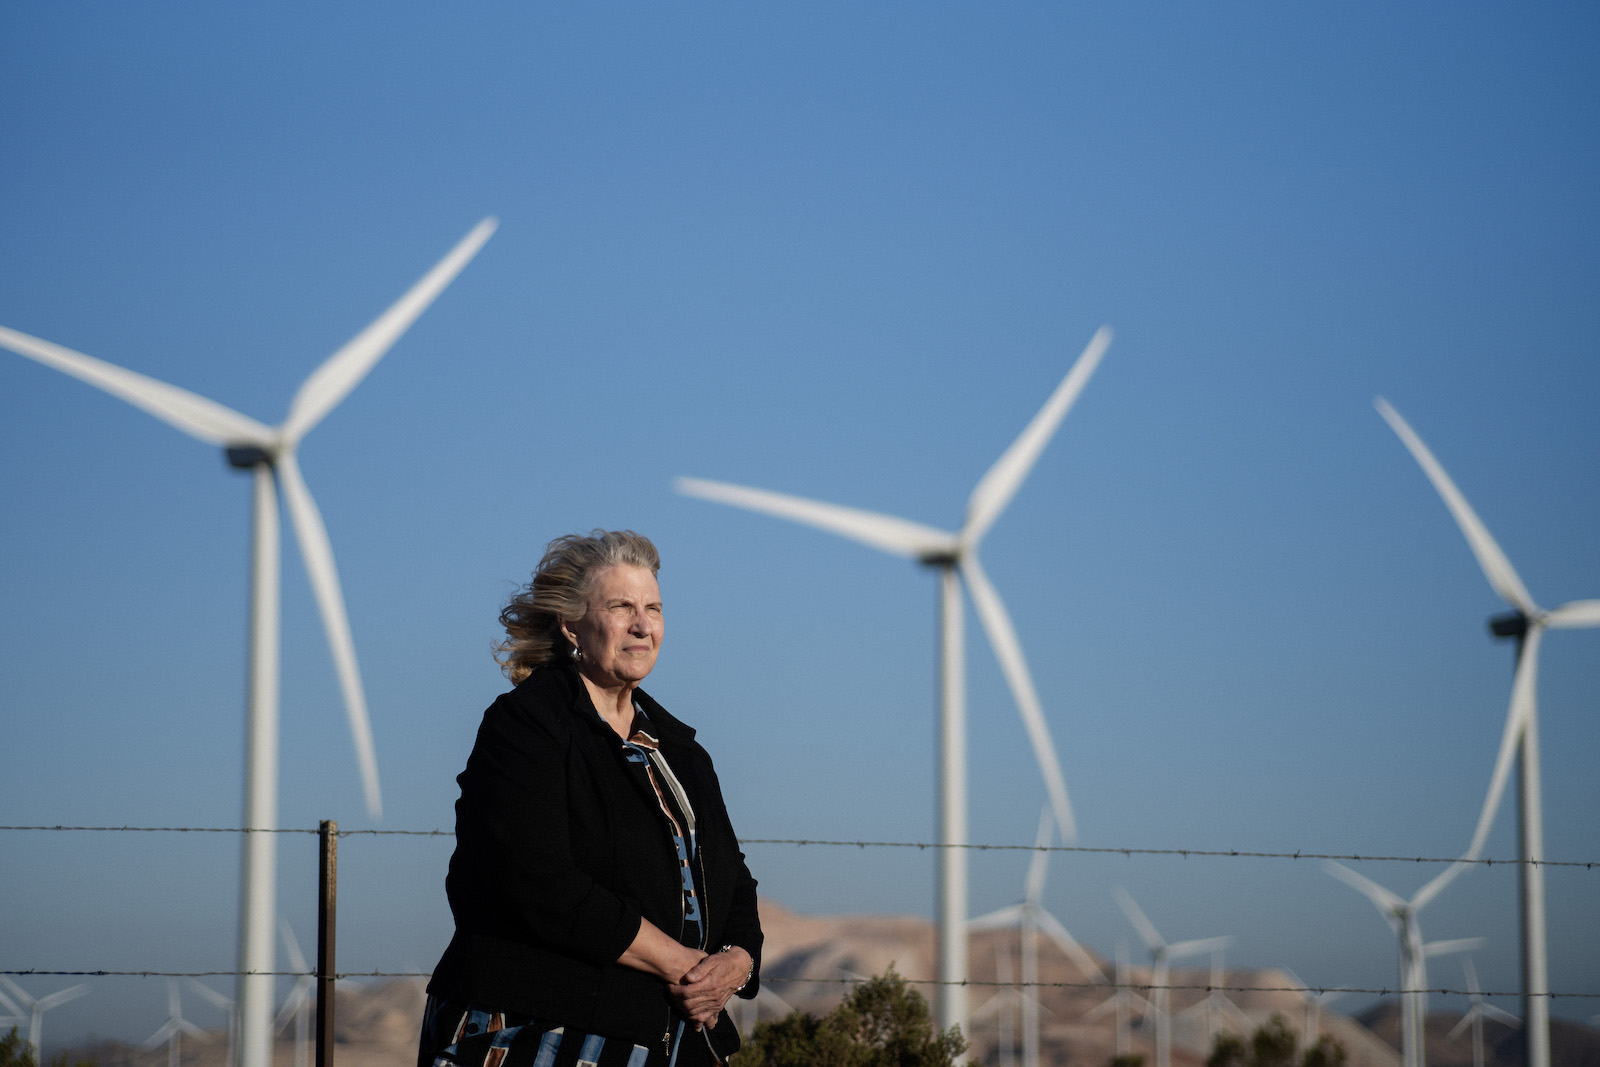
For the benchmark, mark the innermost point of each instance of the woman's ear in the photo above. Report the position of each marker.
(566, 631)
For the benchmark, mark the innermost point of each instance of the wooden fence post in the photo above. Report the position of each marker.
(327, 913)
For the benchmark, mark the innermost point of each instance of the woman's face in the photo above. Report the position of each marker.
(620, 634)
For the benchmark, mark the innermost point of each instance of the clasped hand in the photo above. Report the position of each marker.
(702, 993)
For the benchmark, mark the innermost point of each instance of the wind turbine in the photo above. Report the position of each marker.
(1124, 1001)
(175, 1027)
(1401, 915)
(1162, 954)
(1526, 622)
(1029, 918)
(37, 1007)
(1216, 1002)
(955, 557)
(1476, 1013)
(1311, 1025)
(297, 1005)
(228, 1008)
(268, 452)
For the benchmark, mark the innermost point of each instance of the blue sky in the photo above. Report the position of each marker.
(842, 251)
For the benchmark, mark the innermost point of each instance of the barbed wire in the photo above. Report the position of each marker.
(1141, 987)
(1230, 853)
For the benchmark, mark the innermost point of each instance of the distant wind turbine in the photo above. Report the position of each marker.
(1311, 1025)
(269, 453)
(228, 1008)
(1401, 915)
(1527, 623)
(297, 1005)
(952, 554)
(1029, 918)
(1478, 1011)
(1216, 1002)
(1124, 1002)
(1162, 954)
(175, 1027)
(36, 1007)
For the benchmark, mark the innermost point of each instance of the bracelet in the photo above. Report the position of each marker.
(748, 972)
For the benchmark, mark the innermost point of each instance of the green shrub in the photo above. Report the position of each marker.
(882, 1023)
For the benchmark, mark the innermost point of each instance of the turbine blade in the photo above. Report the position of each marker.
(162, 1034)
(16, 991)
(1466, 1021)
(1496, 567)
(1522, 705)
(216, 999)
(55, 1000)
(291, 947)
(343, 371)
(1436, 886)
(193, 414)
(996, 488)
(318, 555)
(1450, 948)
(1039, 863)
(1006, 917)
(1576, 614)
(1146, 929)
(1498, 1014)
(885, 532)
(1197, 948)
(1057, 932)
(1008, 650)
(1386, 902)
(192, 1030)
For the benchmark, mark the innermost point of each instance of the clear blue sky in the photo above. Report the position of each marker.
(844, 251)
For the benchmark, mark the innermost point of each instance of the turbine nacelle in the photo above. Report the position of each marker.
(247, 457)
(1510, 624)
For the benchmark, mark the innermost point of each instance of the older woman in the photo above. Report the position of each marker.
(604, 913)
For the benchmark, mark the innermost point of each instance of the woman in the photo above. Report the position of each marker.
(604, 913)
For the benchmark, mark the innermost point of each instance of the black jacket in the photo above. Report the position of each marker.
(559, 853)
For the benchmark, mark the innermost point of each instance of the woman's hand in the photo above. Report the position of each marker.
(705, 989)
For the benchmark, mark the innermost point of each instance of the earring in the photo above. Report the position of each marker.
(576, 654)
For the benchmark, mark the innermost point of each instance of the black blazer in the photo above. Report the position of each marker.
(559, 853)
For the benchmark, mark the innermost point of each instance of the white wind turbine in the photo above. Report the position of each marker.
(1401, 915)
(1477, 1012)
(1216, 1002)
(1527, 623)
(1162, 954)
(954, 554)
(226, 1005)
(269, 453)
(1029, 919)
(1124, 1002)
(36, 1007)
(175, 1027)
(1311, 1024)
(297, 1005)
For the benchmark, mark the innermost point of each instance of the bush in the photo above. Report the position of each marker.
(882, 1023)
(1273, 1045)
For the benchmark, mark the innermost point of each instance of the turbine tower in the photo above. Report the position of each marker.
(175, 1027)
(1124, 1002)
(955, 557)
(227, 1007)
(268, 452)
(1161, 956)
(1029, 918)
(1526, 622)
(37, 1007)
(1401, 915)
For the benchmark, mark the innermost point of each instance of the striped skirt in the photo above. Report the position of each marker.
(462, 1035)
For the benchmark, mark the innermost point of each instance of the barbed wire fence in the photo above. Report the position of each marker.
(1128, 851)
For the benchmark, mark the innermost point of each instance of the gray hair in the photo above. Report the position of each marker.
(559, 592)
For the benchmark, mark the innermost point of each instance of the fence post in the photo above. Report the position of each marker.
(327, 913)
